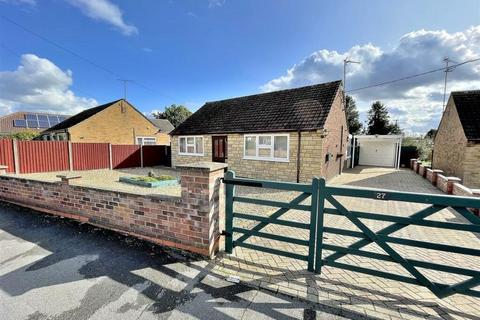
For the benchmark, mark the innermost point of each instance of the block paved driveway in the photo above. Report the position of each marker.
(366, 295)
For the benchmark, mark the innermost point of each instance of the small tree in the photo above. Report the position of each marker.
(176, 114)
(431, 134)
(379, 120)
(395, 128)
(353, 119)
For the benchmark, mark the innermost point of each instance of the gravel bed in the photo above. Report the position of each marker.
(108, 179)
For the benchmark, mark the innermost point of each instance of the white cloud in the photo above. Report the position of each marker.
(106, 11)
(415, 103)
(39, 85)
(215, 3)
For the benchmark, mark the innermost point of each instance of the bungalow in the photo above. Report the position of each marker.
(456, 148)
(116, 122)
(287, 135)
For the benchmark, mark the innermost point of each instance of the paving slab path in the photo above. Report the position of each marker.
(370, 296)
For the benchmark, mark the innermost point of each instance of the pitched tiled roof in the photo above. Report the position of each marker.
(304, 108)
(162, 124)
(468, 108)
(79, 117)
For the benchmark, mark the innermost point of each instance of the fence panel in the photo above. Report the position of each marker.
(90, 156)
(42, 156)
(6, 154)
(125, 156)
(156, 156)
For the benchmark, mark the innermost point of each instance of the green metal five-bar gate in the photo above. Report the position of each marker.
(321, 195)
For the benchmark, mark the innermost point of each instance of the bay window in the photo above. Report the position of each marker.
(191, 145)
(269, 147)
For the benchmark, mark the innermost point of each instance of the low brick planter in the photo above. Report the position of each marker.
(189, 222)
(416, 166)
(446, 183)
(412, 161)
(422, 170)
(432, 175)
(460, 190)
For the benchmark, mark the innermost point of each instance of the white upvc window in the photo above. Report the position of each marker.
(268, 147)
(190, 145)
(146, 141)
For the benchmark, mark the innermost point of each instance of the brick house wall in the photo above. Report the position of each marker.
(178, 159)
(471, 165)
(314, 146)
(190, 222)
(450, 143)
(118, 124)
(310, 147)
(335, 142)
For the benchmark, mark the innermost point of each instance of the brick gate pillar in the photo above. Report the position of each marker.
(202, 192)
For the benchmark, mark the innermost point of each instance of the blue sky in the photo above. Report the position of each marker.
(189, 52)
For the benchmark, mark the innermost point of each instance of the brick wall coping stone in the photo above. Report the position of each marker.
(463, 188)
(453, 179)
(210, 166)
(441, 176)
(436, 170)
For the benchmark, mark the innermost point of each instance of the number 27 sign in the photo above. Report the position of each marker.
(381, 195)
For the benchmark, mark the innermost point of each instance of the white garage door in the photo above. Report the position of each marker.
(377, 153)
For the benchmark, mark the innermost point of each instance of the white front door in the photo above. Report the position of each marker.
(377, 153)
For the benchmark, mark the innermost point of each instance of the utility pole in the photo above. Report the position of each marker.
(448, 69)
(345, 62)
(125, 82)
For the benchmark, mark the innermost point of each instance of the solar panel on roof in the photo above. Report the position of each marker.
(43, 124)
(32, 123)
(31, 116)
(42, 117)
(19, 123)
(53, 119)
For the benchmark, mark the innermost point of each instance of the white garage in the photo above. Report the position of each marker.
(377, 150)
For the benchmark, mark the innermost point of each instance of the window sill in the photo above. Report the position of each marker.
(267, 159)
(192, 154)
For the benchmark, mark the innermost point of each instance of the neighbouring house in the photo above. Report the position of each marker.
(116, 122)
(456, 148)
(163, 126)
(28, 121)
(287, 135)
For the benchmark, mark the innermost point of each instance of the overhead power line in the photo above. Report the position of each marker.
(414, 75)
(115, 75)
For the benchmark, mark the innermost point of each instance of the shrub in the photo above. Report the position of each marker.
(424, 147)
(23, 135)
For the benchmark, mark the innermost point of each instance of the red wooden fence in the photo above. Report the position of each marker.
(6, 154)
(90, 156)
(43, 156)
(126, 156)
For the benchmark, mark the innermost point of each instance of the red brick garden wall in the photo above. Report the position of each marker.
(189, 222)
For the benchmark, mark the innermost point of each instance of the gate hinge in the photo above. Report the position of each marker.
(225, 233)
